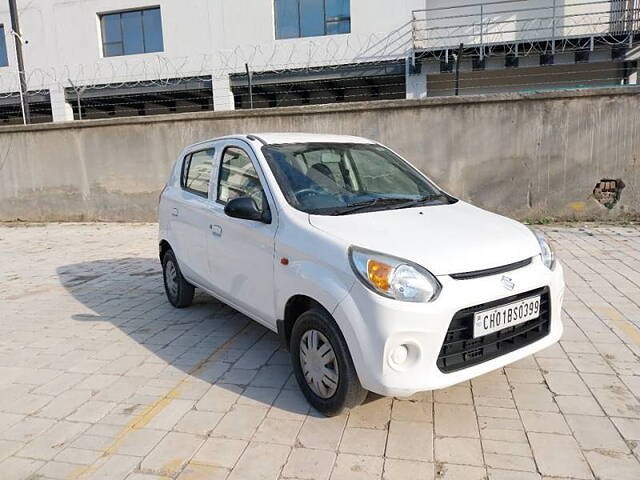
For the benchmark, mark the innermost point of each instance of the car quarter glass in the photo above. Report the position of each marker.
(372, 277)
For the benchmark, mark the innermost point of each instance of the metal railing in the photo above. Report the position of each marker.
(546, 25)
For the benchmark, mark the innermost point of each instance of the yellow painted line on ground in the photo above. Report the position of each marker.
(151, 411)
(33, 291)
(627, 327)
(198, 470)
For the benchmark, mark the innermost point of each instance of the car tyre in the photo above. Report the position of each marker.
(330, 385)
(178, 290)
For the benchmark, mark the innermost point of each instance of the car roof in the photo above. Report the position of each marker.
(277, 138)
(297, 137)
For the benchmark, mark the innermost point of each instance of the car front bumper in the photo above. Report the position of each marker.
(374, 326)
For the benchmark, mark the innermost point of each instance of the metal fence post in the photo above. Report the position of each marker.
(413, 28)
(250, 84)
(481, 32)
(553, 29)
(458, 60)
(17, 36)
(79, 92)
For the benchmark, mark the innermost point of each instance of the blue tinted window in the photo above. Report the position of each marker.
(309, 18)
(152, 24)
(131, 32)
(287, 19)
(341, 26)
(111, 28)
(4, 60)
(338, 9)
(113, 49)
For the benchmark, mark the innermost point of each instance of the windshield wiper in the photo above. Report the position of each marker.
(418, 201)
(395, 203)
(354, 207)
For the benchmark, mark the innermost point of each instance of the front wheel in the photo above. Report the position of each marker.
(322, 364)
(178, 290)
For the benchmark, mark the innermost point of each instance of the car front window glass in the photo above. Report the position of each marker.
(238, 178)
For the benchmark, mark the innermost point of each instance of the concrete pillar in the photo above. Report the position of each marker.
(416, 82)
(60, 108)
(222, 94)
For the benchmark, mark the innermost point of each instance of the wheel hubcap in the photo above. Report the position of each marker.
(171, 278)
(319, 364)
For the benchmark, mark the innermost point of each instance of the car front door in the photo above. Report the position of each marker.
(241, 252)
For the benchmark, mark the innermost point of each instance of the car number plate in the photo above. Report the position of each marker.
(505, 316)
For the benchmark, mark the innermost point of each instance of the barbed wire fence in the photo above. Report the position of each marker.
(112, 74)
(119, 92)
(308, 71)
(288, 93)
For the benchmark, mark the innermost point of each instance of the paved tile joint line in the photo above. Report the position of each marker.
(101, 379)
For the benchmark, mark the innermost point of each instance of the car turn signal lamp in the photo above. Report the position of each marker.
(394, 277)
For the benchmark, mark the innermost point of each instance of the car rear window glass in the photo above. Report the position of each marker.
(196, 173)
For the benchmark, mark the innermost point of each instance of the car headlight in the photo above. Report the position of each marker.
(394, 277)
(546, 252)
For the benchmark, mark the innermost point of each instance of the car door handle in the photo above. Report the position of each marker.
(174, 212)
(216, 230)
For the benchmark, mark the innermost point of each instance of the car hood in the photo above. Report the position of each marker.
(444, 239)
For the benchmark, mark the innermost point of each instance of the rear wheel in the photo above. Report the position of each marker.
(322, 364)
(178, 290)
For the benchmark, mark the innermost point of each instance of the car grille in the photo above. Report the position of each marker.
(460, 350)
(491, 271)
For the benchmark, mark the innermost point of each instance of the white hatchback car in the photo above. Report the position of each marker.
(372, 276)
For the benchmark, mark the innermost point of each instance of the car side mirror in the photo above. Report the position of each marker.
(246, 208)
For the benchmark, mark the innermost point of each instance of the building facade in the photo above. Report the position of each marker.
(102, 58)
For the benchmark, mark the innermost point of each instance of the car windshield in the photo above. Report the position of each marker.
(344, 178)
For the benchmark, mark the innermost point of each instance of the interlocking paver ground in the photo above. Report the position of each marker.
(100, 378)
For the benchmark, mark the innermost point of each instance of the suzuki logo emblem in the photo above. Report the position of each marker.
(507, 282)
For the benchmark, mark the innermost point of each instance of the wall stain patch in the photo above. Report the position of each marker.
(577, 206)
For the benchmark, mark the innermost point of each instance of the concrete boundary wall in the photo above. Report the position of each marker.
(529, 156)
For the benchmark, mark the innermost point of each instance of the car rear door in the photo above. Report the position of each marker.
(190, 214)
(241, 252)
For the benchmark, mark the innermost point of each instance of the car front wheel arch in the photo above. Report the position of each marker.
(295, 306)
(163, 248)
